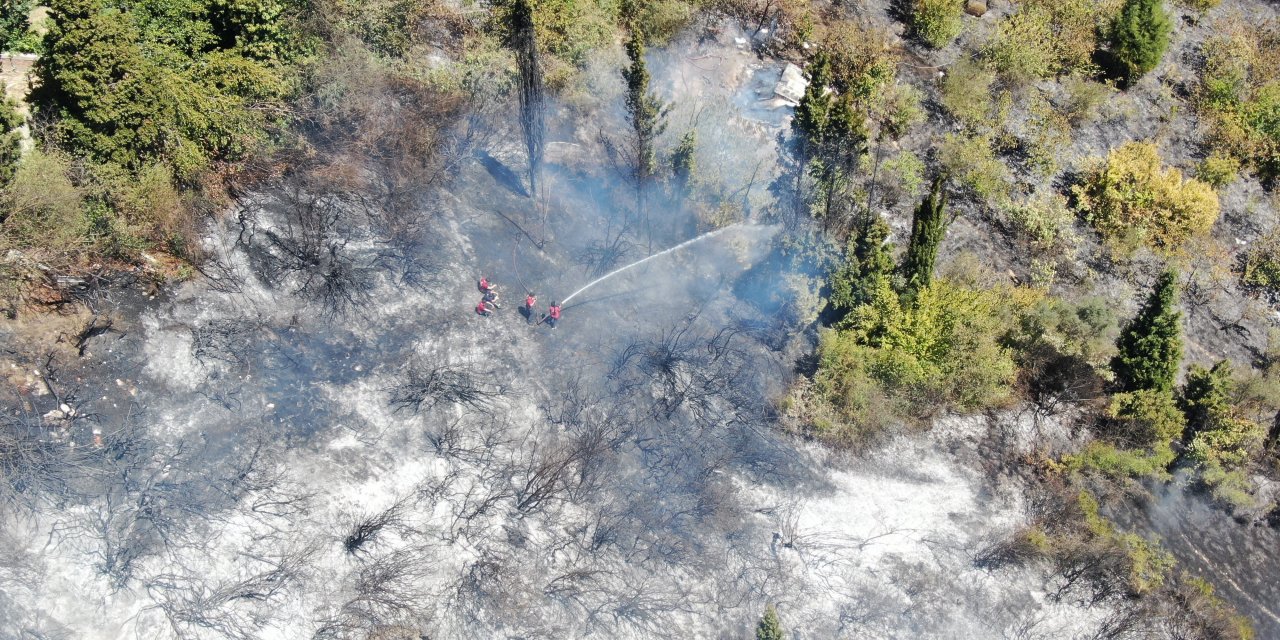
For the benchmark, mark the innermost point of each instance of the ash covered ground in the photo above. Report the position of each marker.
(320, 438)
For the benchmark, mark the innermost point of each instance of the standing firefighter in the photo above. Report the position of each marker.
(553, 314)
(530, 302)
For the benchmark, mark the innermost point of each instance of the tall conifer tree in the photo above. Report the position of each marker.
(769, 628)
(928, 226)
(1150, 346)
(1139, 37)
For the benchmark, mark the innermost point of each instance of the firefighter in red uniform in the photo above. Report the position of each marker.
(553, 314)
(484, 285)
(483, 309)
(530, 301)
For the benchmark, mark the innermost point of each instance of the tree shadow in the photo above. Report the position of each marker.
(502, 174)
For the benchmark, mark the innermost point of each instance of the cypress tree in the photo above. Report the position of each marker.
(867, 261)
(1150, 346)
(532, 115)
(769, 628)
(928, 226)
(645, 112)
(1206, 397)
(814, 109)
(832, 132)
(1139, 36)
(809, 123)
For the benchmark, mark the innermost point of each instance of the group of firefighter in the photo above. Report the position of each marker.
(489, 303)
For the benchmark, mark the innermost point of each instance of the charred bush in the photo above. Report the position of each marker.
(237, 609)
(366, 528)
(386, 599)
(228, 341)
(306, 247)
(427, 386)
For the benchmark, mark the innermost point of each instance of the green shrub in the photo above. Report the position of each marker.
(1081, 329)
(898, 110)
(1145, 418)
(1045, 133)
(1232, 488)
(937, 22)
(572, 29)
(966, 93)
(1045, 221)
(1239, 93)
(1221, 442)
(943, 350)
(1218, 170)
(662, 20)
(1131, 198)
(863, 62)
(1113, 462)
(971, 160)
(1200, 5)
(1139, 37)
(1260, 265)
(1149, 565)
(1045, 38)
(902, 176)
(1084, 98)
(45, 208)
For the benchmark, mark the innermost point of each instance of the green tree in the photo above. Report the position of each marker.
(814, 109)
(10, 137)
(832, 133)
(13, 22)
(646, 113)
(769, 628)
(134, 87)
(255, 27)
(684, 164)
(928, 226)
(868, 262)
(1205, 396)
(1139, 36)
(1150, 346)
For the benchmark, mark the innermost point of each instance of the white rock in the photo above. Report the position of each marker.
(791, 84)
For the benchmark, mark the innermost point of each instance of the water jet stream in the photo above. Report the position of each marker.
(641, 261)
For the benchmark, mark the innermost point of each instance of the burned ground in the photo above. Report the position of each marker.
(322, 439)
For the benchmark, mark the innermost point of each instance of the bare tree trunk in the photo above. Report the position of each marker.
(532, 103)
